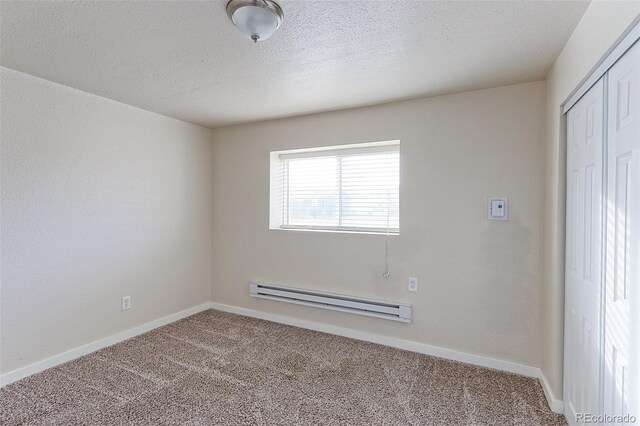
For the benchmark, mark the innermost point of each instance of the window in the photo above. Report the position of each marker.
(352, 188)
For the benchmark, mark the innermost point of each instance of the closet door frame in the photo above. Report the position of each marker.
(615, 52)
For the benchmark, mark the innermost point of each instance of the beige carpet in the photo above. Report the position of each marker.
(220, 369)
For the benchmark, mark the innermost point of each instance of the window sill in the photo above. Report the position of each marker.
(393, 233)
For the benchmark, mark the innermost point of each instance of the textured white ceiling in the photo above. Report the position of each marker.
(186, 60)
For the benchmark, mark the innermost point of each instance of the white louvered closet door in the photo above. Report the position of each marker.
(585, 150)
(622, 277)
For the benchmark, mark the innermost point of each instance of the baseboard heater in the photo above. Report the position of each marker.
(335, 302)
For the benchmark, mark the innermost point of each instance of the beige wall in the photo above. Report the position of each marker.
(99, 200)
(479, 281)
(90, 189)
(601, 26)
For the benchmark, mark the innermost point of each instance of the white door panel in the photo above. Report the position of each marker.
(622, 271)
(585, 145)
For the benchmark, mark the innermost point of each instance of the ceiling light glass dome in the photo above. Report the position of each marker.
(257, 19)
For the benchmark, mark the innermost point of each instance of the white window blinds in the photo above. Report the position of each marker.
(346, 188)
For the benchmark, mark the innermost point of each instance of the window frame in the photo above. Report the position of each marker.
(276, 196)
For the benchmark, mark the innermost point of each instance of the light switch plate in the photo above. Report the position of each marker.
(497, 208)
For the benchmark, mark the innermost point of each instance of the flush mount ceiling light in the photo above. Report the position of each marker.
(258, 19)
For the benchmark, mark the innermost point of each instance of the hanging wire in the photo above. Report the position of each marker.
(386, 272)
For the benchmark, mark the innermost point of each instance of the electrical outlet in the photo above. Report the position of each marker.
(126, 303)
(412, 284)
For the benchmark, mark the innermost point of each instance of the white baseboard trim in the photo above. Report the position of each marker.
(408, 345)
(20, 373)
(556, 405)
